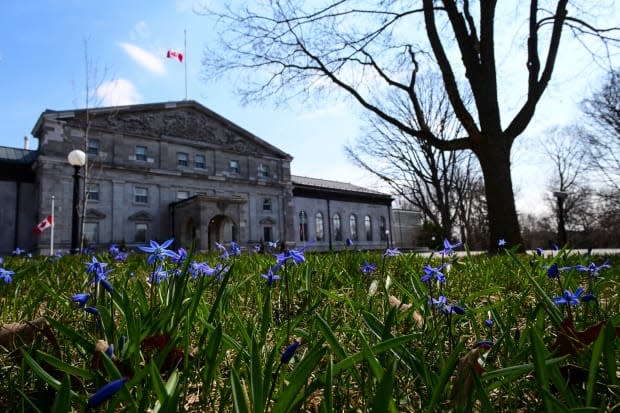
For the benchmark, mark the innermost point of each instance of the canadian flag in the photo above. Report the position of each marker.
(174, 55)
(43, 225)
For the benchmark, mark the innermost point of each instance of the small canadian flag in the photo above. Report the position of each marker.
(175, 55)
(43, 225)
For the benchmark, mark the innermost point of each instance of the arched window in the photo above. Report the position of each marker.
(382, 229)
(303, 226)
(337, 229)
(353, 227)
(320, 233)
(368, 227)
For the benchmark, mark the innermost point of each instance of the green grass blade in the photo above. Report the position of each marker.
(62, 402)
(383, 400)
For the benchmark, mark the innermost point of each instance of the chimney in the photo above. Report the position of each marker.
(26, 143)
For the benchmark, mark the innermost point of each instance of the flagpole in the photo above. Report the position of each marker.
(185, 58)
(52, 232)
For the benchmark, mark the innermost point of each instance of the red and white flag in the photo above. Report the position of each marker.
(43, 225)
(175, 55)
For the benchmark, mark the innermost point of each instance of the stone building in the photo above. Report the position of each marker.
(176, 169)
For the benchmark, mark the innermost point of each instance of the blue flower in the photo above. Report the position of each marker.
(484, 344)
(201, 269)
(593, 270)
(368, 269)
(539, 251)
(81, 299)
(553, 271)
(501, 242)
(180, 256)
(448, 249)
(297, 256)
(489, 323)
(106, 392)
(270, 277)
(113, 249)
(569, 298)
(349, 242)
(222, 248)
(18, 251)
(95, 267)
(91, 310)
(157, 276)
(120, 257)
(288, 353)
(442, 306)
(431, 272)
(158, 252)
(6, 275)
(235, 249)
(391, 252)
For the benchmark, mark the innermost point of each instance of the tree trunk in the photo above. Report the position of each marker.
(503, 221)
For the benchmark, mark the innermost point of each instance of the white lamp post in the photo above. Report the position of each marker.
(77, 159)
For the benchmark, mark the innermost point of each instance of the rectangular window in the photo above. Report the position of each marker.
(267, 204)
(200, 162)
(141, 233)
(141, 153)
(141, 195)
(182, 159)
(93, 192)
(93, 147)
(182, 195)
(263, 171)
(267, 234)
(91, 233)
(234, 167)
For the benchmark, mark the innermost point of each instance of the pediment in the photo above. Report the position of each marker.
(93, 214)
(267, 221)
(178, 121)
(140, 216)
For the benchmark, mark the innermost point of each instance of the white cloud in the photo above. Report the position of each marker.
(118, 92)
(144, 58)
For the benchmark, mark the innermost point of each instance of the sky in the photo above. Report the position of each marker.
(53, 51)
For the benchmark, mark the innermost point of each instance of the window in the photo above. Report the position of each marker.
(368, 227)
(93, 192)
(141, 195)
(267, 204)
(182, 195)
(303, 226)
(200, 162)
(141, 232)
(91, 233)
(234, 167)
(353, 227)
(263, 171)
(141, 153)
(337, 228)
(267, 234)
(93, 147)
(320, 232)
(182, 159)
(382, 229)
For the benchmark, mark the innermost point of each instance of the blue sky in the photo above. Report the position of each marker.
(43, 49)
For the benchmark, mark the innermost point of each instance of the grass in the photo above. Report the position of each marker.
(368, 343)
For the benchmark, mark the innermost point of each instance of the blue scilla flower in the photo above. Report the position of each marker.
(113, 249)
(442, 306)
(297, 256)
(568, 298)
(593, 270)
(290, 350)
(235, 249)
(95, 266)
(18, 251)
(91, 310)
(368, 269)
(158, 252)
(501, 243)
(448, 249)
(120, 257)
(180, 256)
(81, 299)
(157, 276)
(391, 252)
(434, 273)
(488, 322)
(6, 275)
(106, 392)
(270, 277)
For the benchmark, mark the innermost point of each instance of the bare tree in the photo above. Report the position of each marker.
(602, 138)
(365, 48)
(435, 182)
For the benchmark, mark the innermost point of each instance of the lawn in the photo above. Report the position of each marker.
(291, 330)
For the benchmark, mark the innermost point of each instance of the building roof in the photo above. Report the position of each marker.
(17, 155)
(335, 190)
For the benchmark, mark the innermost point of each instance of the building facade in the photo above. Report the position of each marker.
(176, 169)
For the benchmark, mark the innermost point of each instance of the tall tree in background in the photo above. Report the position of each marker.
(602, 137)
(368, 48)
(437, 183)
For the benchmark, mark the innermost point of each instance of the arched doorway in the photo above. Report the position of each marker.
(221, 229)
